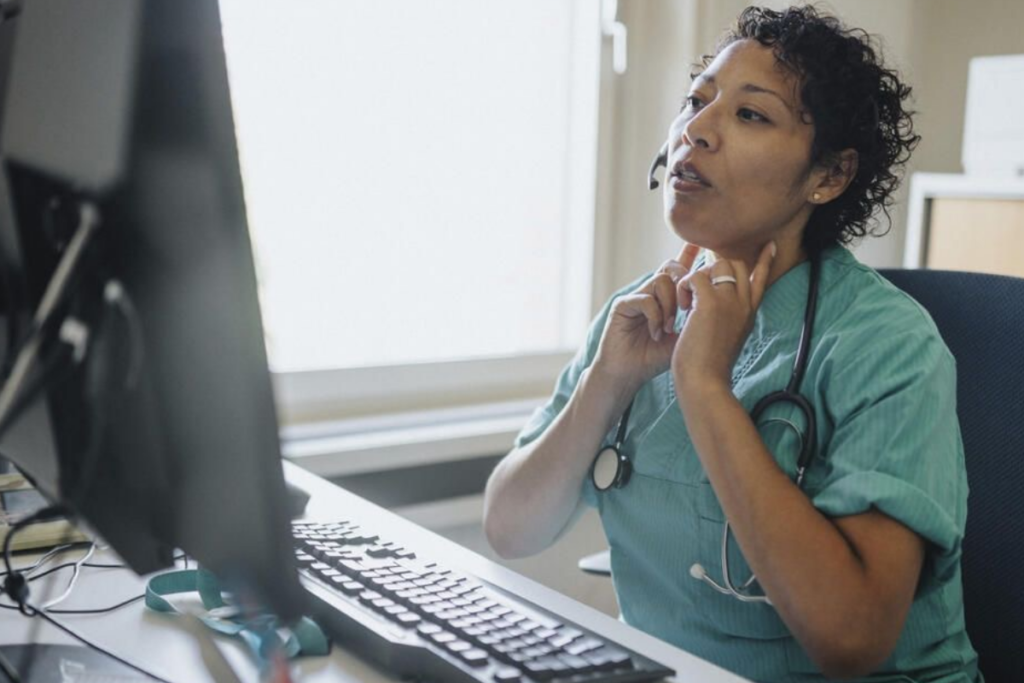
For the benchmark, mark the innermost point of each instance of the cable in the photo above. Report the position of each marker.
(98, 610)
(94, 646)
(49, 571)
(15, 583)
(51, 553)
(45, 314)
(91, 565)
(94, 610)
(74, 579)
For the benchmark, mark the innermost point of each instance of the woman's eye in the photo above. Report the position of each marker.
(751, 115)
(692, 102)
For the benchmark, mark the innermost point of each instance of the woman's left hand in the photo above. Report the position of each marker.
(720, 320)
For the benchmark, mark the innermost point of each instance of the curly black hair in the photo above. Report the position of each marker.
(854, 103)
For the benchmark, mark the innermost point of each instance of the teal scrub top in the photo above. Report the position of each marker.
(883, 387)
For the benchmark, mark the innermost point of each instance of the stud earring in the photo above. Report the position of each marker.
(816, 196)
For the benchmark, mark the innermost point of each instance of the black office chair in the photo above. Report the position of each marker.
(981, 319)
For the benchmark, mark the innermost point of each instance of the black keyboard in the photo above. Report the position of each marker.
(418, 619)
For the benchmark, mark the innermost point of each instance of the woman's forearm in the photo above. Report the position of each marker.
(532, 494)
(811, 572)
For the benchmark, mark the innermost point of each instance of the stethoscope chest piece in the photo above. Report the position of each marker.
(611, 469)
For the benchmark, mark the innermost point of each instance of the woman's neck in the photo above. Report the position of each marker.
(790, 253)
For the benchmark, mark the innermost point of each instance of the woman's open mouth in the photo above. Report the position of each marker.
(686, 178)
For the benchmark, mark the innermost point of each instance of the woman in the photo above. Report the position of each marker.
(785, 146)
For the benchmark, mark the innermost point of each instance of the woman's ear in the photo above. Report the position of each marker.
(834, 176)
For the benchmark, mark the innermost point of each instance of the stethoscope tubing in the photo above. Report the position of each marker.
(791, 394)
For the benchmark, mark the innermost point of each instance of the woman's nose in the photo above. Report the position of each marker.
(700, 130)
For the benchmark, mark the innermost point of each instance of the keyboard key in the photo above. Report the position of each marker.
(443, 637)
(582, 646)
(508, 676)
(540, 670)
(606, 659)
(409, 618)
(352, 567)
(474, 657)
(453, 614)
(536, 652)
(422, 600)
(458, 646)
(577, 665)
(560, 641)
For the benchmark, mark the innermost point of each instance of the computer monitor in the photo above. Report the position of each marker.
(165, 434)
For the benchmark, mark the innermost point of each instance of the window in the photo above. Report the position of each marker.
(419, 181)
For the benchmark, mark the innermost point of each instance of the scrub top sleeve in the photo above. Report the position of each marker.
(569, 378)
(896, 444)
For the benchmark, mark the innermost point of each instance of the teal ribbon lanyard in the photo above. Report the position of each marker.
(260, 632)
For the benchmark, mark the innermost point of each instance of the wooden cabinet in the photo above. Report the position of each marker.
(959, 222)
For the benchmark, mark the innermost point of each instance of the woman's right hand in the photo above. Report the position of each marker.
(640, 335)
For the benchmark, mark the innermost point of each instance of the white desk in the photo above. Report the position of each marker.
(159, 643)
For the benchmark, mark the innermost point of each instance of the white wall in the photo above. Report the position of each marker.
(929, 41)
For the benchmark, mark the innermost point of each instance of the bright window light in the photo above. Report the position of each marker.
(409, 172)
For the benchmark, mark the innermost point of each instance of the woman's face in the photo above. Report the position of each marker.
(739, 156)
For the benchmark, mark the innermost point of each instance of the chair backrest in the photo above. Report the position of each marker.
(981, 319)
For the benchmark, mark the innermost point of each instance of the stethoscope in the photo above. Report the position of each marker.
(612, 468)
